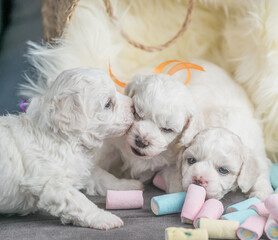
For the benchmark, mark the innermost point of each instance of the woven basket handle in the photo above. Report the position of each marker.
(187, 20)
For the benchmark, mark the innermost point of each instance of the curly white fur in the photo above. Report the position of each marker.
(47, 153)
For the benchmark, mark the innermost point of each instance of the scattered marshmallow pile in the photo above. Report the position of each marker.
(246, 220)
(195, 210)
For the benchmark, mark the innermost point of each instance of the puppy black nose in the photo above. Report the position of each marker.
(141, 143)
(197, 182)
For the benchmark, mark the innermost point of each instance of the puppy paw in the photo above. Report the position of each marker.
(262, 195)
(130, 185)
(174, 187)
(105, 221)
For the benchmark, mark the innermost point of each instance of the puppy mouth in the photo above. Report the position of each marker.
(137, 153)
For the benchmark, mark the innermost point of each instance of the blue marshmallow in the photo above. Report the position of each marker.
(168, 203)
(274, 176)
(242, 205)
(239, 216)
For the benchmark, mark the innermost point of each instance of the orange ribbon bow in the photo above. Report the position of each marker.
(113, 77)
(177, 67)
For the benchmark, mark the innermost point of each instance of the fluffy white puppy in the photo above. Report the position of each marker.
(47, 153)
(230, 152)
(164, 112)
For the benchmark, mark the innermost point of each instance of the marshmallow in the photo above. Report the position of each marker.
(242, 205)
(274, 176)
(168, 203)
(193, 203)
(174, 233)
(271, 228)
(212, 209)
(158, 181)
(260, 209)
(124, 199)
(219, 229)
(271, 203)
(239, 216)
(252, 228)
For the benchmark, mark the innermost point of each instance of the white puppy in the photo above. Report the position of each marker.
(47, 154)
(164, 112)
(230, 152)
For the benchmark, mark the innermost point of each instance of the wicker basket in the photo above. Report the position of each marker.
(55, 16)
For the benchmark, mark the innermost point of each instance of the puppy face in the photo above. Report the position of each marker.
(84, 102)
(163, 107)
(217, 160)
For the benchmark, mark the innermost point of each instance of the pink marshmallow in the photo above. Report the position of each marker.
(193, 203)
(158, 181)
(260, 209)
(124, 199)
(212, 209)
(252, 228)
(271, 203)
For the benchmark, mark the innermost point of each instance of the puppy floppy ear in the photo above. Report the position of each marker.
(192, 127)
(130, 88)
(67, 112)
(249, 171)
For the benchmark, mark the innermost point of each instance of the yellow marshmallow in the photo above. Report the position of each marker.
(220, 229)
(173, 233)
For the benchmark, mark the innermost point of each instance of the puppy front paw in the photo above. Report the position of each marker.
(174, 187)
(262, 189)
(262, 195)
(131, 184)
(104, 221)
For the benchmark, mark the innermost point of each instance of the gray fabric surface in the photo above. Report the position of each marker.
(140, 224)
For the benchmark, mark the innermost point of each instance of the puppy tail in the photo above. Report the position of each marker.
(31, 88)
(43, 59)
(35, 80)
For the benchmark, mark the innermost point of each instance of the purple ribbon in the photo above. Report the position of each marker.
(22, 104)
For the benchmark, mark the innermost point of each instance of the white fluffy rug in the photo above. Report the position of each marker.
(239, 35)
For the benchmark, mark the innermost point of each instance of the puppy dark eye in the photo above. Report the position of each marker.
(191, 160)
(167, 130)
(108, 104)
(223, 171)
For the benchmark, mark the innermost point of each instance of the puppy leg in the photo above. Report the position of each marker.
(101, 181)
(173, 179)
(62, 200)
(262, 188)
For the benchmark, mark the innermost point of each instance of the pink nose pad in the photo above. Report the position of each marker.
(199, 181)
